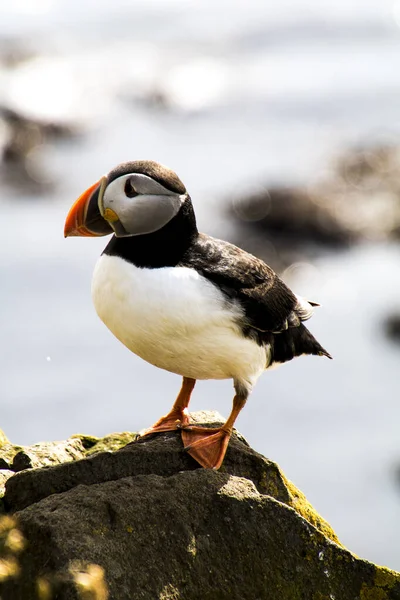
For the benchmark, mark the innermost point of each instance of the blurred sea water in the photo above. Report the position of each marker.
(233, 96)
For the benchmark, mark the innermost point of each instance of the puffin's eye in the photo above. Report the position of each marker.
(130, 191)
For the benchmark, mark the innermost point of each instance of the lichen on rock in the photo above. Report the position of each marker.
(3, 438)
(109, 443)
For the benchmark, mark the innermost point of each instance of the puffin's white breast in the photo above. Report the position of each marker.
(175, 319)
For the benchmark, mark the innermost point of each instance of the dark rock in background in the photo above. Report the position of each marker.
(358, 199)
(392, 327)
(22, 137)
(24, 132)
(146, 522)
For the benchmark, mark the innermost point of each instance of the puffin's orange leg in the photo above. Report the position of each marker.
(208, 445)
(178, 415)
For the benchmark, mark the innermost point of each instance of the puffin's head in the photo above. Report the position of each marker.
(135, 198)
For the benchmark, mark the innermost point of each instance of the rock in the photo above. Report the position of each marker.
(282, 226)
(21, 140)
(359, 198)
(3, 439)
(392, 327)
(147, 522)
(291, 212)
(47, 454)
(4, 475)
(111, 442)
(163, 457)
(7, 453)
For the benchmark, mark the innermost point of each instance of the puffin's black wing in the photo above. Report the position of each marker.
(270, 307)
(268, 303)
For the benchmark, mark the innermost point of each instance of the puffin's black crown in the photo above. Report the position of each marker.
(163, 175)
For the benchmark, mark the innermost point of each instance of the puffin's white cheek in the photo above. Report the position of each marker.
(146, 214)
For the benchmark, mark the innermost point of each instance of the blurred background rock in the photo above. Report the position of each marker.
(283, 120)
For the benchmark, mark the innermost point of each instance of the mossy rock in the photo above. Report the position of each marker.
(161, 527)
(7, 453)
(109, 443)
(3, 438)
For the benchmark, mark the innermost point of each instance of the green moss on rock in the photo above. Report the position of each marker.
(383, 585)
(3, 438)
(88, 441)
(109, 443)
(299, 502)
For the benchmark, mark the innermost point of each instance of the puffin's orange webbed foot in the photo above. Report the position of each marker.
(206, 445)
(178, 416)
(175, 419)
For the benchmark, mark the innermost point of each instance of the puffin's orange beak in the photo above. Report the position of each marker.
(84, 218)
(76, 219)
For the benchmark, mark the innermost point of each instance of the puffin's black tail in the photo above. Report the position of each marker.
(293, 342)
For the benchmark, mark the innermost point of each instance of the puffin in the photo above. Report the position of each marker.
(183, 301)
